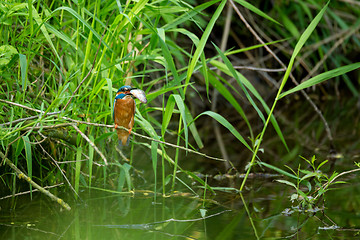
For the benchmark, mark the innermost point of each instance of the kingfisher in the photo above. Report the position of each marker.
(124, 110)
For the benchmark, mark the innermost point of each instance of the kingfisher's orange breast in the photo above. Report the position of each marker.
(124, 110)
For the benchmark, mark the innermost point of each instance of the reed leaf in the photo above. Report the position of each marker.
(321, 78)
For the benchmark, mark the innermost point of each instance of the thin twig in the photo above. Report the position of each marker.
(146, 225)
(27, 192)
(91, 143)
(341, 174)
(20, 105)
(57, 165)
(145, 137)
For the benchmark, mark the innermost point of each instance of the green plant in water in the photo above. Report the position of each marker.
(311, 185)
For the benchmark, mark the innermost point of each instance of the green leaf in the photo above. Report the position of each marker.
(154, 148)
(110, 93)
(28, 159)
(188, 15)
(278, 170)
(23, 67)
(301, 43)
(226, 124)
(77, 170)
(200, 48)
(193, 128)
(289, 25)
(203, 212)
(256, 10)
(167, 114)
(151, 96)
(44, 31)
(7, 52)
(309, 175)
(91, 159)
(322, 77)
(167, 55)
(321, 164)
(62, 36)
(181, 106)
(287, 183)
(126, 169)
(229, 97)
(253, 90)
(236, 76)
(85, 23)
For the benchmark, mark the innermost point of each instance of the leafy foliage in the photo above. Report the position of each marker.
(61, 64)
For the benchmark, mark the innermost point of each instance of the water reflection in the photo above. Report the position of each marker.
(110, 216)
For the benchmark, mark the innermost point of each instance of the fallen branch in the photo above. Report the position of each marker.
(22, 175)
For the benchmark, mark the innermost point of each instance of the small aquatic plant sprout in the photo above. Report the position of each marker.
(124, 110)
(311, 185)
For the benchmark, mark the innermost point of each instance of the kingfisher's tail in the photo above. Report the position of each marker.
(123, 136)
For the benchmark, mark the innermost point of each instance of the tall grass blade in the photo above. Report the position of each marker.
(28, 156)
(85, 23)
(189, 15)
(236, 76)
(43, 29)
(253, 90)
(202, 182)
(297, 49)
(279, 170)
(126, 170)
(77, 170)
(159, 92)
(181, 106)
(23, 67)
(91, 159)
(230, 98)
(300, 44)
(226, 124)
(322, 77)
(192, 127)
(200, 48)
(154, 148)
(110, 94)
(167, 114)
(256, 10)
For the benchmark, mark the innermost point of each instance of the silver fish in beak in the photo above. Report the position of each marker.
(139, 94)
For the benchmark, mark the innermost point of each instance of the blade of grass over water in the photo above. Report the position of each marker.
(236, 76)
(253, 90)
(297, 49)
(231, 99)
(226, 124)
